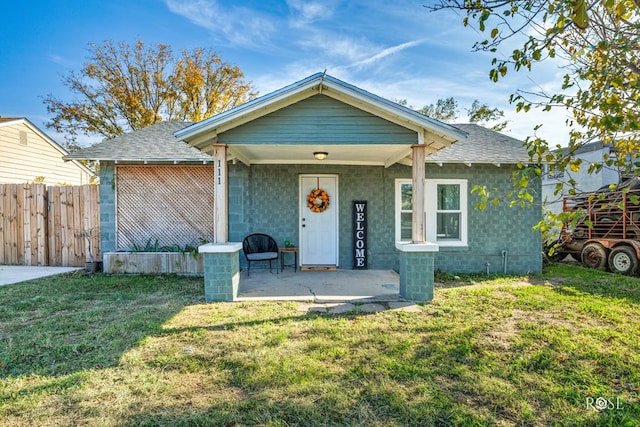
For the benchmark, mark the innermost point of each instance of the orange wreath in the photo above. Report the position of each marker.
(318, 200)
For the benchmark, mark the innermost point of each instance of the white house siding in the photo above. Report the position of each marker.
(585, 181)
(27, 156)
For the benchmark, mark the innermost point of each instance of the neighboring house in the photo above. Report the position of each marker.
(27, 153)
(592, 153)
(251, 169)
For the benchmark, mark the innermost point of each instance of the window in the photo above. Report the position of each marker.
(405, 192)
(445, 210)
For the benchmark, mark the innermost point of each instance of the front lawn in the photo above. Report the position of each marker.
(561, 349)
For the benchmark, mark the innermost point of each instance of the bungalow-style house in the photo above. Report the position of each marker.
(354, 180)
(27, 153)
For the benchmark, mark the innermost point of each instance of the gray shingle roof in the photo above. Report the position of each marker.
(482, 145)
(155, 143)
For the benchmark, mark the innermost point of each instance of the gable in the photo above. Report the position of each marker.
(320, 120)
(28, 153)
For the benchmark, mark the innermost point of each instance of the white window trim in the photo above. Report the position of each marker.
(398, 208)
(431, 211)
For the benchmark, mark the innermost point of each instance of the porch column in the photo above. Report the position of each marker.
(220, 259)
(417, 215)
(417, 258)
(221, 264)
(220, 194)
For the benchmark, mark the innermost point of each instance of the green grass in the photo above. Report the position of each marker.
(129, 351)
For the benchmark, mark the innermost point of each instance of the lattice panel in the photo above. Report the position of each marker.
(173, 204)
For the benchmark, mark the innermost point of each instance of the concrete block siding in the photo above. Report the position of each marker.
(107, 207)
(221, 276)
(416, 275)
(494, 229)
(265, 198)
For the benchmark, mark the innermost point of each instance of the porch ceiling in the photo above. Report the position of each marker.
(377, 155)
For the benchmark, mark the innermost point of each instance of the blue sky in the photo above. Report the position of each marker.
(394, 48)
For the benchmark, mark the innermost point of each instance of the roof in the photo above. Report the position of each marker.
(10, 121)
(482, 145)
(434, 133)
(586, 148)
(155, 143)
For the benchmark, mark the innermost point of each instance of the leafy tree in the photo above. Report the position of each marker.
(126, 87)
(599, 41)
(482, 113)
(445, 110)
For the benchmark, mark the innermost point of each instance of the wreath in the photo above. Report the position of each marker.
(318, 200)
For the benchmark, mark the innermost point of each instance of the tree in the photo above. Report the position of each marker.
(482, 113)
(599, 41)
(446, 110)
(126, 87)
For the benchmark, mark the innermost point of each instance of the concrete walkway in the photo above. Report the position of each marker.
(19, 273)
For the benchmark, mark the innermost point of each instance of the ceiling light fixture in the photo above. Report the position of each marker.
(320, 155)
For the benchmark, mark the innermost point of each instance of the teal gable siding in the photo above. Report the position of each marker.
(265, 199)
(319, 120)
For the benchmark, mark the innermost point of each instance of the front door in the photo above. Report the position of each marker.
(319, 230)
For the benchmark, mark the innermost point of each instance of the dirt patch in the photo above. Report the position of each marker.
(501, 336)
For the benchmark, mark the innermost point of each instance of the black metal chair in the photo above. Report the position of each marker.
(259, 247)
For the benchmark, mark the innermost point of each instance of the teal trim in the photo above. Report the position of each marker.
(319, 120)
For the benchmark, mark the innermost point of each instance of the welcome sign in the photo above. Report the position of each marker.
(360, 235)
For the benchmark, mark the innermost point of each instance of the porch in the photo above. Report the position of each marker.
(320, 286)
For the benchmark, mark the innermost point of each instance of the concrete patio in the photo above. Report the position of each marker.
(334, 292)
(320, 286)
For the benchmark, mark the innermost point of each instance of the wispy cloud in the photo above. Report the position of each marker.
(383, 54)
(238, 25)
(60, 60)
(338, 46)
(306, 12)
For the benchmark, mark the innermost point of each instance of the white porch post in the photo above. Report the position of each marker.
(220, 194)
(417, 258)
(220, 259)
(417, 215)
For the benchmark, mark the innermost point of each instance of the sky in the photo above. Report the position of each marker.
(396, 49)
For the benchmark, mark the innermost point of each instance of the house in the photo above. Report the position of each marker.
(353, 179)
(27, 154)
(591, 153)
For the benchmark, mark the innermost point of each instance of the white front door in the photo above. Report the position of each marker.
(319, 230)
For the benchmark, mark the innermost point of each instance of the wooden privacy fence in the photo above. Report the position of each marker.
(56, 226)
